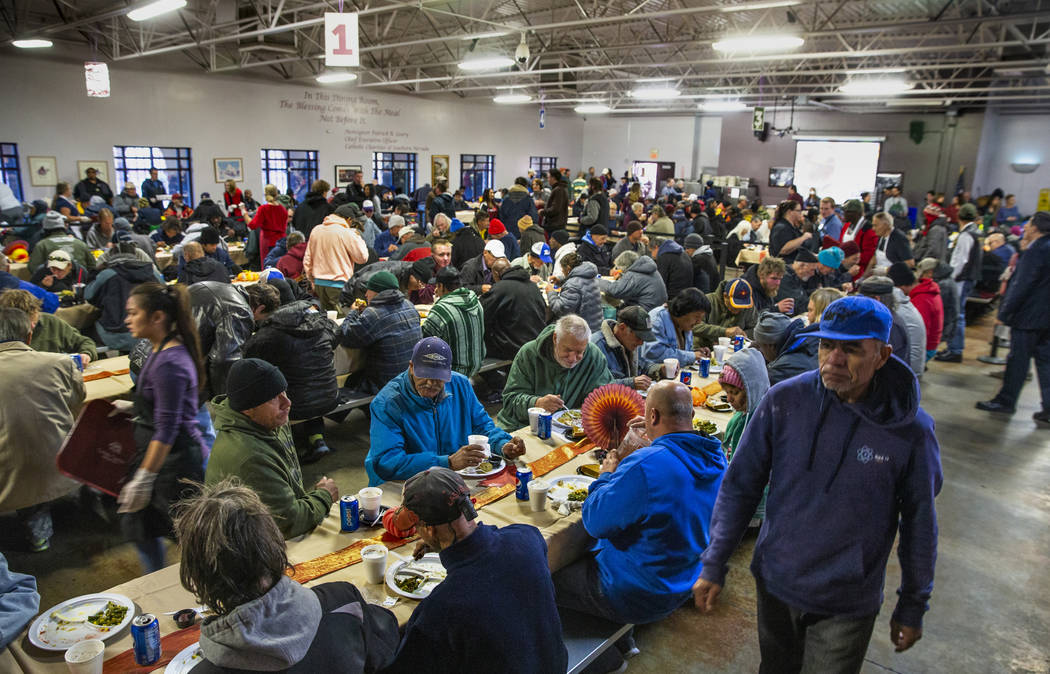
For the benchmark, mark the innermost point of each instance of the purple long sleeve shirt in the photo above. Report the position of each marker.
(169, 384)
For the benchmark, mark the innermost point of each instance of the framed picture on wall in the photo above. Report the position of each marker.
(100, 165)
(43, 171)
(344, 174)
(229, 168)
(438, 168)
(781, 176)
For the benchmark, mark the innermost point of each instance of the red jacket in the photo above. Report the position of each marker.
(234, 200)
(272, 220)
(926, 296)
(291, 263)
(866, 239)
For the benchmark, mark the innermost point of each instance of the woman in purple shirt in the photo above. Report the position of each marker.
(166, 402)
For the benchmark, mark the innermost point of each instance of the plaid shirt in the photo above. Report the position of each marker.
(388, 330)
(459, 319)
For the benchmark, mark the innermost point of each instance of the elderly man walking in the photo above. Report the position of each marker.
(844, 475)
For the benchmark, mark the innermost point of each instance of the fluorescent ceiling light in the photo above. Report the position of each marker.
(512, 98)
(482, 36)
(722, 106)
(332, 77)
(887, 86)
(772, 4)
(655, 79)
(592, 108)
(486, 63)
(154, 9)
(32, 43)
(917, 102)
(655, 93)
(758, 43)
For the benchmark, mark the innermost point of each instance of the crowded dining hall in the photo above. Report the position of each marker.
(532, 338)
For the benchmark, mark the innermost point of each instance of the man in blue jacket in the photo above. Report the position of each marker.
(423, 416)
(650, 510)
(844, 474)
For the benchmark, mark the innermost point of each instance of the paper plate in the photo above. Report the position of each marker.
(187, 659)
(429, 563)
(560, 487)
(498, 466)
(63, 625)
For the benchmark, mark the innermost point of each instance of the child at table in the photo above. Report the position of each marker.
(745, 380)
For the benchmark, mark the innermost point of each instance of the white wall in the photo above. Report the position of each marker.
(1014, 138)
(615, 141)
(220, 116)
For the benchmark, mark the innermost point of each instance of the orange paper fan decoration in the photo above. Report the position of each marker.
(607, 411)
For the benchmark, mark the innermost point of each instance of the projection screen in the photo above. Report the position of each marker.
(840, 168)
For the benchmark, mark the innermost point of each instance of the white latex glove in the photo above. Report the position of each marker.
(136, 494)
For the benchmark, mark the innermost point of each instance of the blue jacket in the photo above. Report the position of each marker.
(382, 242)
(666, 344)
(832, 227)
(649, 557)
(411, 433)
(842, 479)
(1028, 294)
(48, 299)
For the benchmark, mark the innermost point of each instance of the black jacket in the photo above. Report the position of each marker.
(596, 211)
(300, 341)
(675, 267)
(592, 252)
(354, 288)
(705, 271)
(516, 204)
(466, 245)
(441, 203)
(796, 355)
(76, 275)
(224, 323)
(206, 210)
(556, 211)
(473, 274)
(112, 296)
(1028, 295)
(355, 194)
(311, 213)
(515, 313)
(203, 269)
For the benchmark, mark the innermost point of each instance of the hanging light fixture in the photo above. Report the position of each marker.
(594, 108)
(511, 99)
(485, 62)
(32, 43)
(753, 44)
(334, 76)
(881, 86)
(655, 93)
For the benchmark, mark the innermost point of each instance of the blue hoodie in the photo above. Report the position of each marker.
(651, 518)
(411, 433)
(842, 478)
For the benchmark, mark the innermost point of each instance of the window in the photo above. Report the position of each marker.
(132, 163)
(476, 171)
(541, 165)
(295, 169)
(396, 170)
(9, 167)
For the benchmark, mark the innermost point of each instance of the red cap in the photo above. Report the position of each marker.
(496, 227)
(176, 197)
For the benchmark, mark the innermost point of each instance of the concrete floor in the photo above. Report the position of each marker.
(990, 610)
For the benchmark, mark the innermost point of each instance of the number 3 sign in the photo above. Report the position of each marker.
(340, 39)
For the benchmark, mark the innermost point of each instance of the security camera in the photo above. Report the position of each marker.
(521, 54)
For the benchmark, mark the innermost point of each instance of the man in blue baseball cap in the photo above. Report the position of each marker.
(423, 416)
(853, 463)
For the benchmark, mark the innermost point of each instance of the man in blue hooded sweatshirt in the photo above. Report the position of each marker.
(650, 510)
(844, 474)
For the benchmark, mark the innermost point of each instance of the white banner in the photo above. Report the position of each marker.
(340, 39)
(96, 76)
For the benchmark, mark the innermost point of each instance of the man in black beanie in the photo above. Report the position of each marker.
(254, 443)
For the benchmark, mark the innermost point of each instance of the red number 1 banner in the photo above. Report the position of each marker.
(340, 39)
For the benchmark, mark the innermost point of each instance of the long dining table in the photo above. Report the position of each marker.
(161, 592)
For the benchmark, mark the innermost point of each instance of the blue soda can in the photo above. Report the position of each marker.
(738, 343)
(524, 477)
(705, 367)
(686, 377)
(145, 636)
(349, 515)
(78, 360)
(544, 426)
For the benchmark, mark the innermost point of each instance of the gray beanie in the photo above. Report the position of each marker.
(874, 286)
(122, 223)
(252, 382)
(53, 220)
(771, 327)
(693, 240)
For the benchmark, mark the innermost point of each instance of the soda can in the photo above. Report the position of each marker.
(687, 377)
(738, 343)
(705, 367)
(145, 636)
(78, 360)
(349, 515)
(524, 476)
(544, 421)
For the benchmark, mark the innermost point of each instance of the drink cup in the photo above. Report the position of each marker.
(332, 315)
(481, 441)
(670, 367)
(720, 353)
(724, 341)
(790, 306)
(534, 419)
(538, 495)
(370, 498)
(86, 657)
(374, 559)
